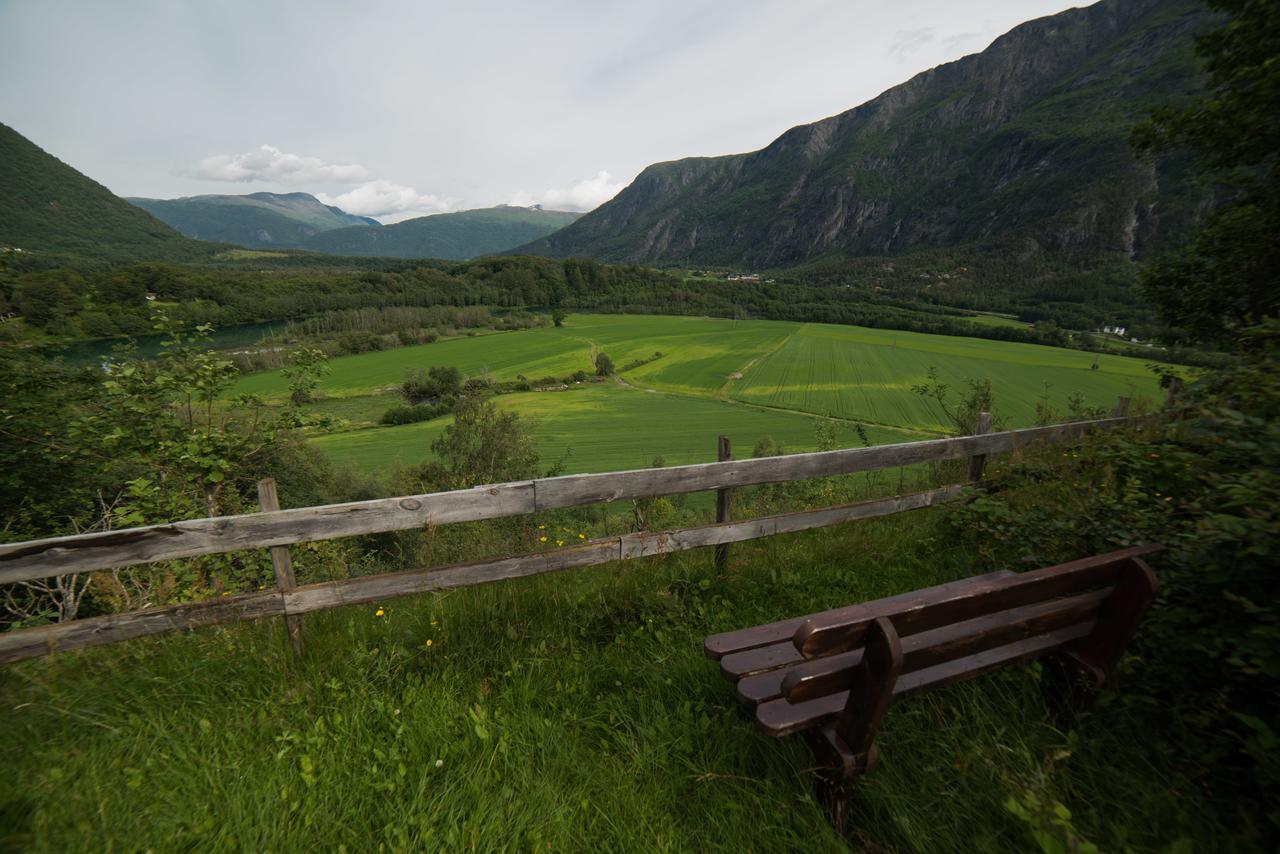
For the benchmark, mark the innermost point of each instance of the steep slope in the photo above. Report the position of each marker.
(259, 220)
(455, 236)
(47, 206)
(1024, 145)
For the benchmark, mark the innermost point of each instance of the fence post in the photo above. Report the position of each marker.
(281, 562)
(1122, 407)
(723, 504)
(978, 462)
(1175, 386)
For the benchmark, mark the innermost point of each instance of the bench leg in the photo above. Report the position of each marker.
(846, 748)
(1079, 671)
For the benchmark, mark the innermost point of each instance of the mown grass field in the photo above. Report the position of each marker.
(604, 426)
(566, 712)
(852, 372)
(747, 379)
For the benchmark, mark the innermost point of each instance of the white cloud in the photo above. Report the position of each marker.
(388, 201)
(584, 195)
(268, 163)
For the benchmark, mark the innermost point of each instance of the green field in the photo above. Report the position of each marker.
(852, 372)
(606, 427)
(699, 354)
(747, 379)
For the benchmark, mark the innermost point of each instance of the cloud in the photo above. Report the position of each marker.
(907, 42)
(268, 163)
(388, 201)
(584, 195)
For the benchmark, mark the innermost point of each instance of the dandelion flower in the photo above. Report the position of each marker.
(542, 539)
(559, 542)
(378, 613)
(582, 536)
(542, 527)
(429, 641)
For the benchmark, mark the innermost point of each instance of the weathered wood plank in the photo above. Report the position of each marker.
(931, 611)
(724, 502)
(780, 717)
(316, 597)
(95, 631)
(376, 588)
(60, 555)
(104, 550)
(746, 651)
(821, 676)
(573, 490)
(281, 561)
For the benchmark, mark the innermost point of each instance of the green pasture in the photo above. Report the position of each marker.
(746, 379)
(867, 374)
(606, 427)
(698, 354)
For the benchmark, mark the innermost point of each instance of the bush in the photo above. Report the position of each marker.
(436, 384)
(359, 342)
(1209, 488)
(412, 414)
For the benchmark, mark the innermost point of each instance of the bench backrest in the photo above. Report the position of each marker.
(1095, 603)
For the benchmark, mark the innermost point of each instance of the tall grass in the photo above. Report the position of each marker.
(572, 711)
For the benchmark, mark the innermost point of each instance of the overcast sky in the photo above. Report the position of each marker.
(395, 109)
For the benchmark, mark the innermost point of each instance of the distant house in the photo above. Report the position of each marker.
(1114, 330)
(152, 297)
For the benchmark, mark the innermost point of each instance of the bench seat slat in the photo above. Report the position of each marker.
(814, 677)
(947, 643)
(816, 638)
(780, 717)
(742, 641)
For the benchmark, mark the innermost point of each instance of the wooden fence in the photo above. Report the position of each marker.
(276, 529)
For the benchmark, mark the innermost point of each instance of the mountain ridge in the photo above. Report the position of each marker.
(458, 236)
(255, 220)
(1025, 141)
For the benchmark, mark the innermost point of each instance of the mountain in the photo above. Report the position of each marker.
(455, 236)
(258, 220)
(1024, 146)
(47, 206)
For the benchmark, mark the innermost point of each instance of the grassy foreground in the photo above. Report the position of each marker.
(572, 711)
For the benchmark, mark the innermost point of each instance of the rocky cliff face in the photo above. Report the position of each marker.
(1024, 144)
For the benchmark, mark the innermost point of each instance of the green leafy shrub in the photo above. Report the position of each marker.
(1209, 488)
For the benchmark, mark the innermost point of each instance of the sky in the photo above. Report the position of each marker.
(399, 109)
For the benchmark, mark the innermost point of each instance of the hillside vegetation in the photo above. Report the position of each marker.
(47, 206)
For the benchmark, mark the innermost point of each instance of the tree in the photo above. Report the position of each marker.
(482, 445)
(604, 365)
(440, 383)
(558, 316)
(1226, 278)
(306, 366)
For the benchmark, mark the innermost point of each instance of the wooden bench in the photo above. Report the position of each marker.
(833, 675)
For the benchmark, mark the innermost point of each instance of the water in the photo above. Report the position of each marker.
(226, 338)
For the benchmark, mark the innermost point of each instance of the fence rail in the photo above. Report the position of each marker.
(278, 528)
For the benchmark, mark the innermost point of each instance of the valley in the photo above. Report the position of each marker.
(746, 379)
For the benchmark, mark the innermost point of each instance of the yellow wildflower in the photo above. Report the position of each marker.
(542, 539)
(428, 641)
(378, 613)
(559, 542)
(582, 536)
